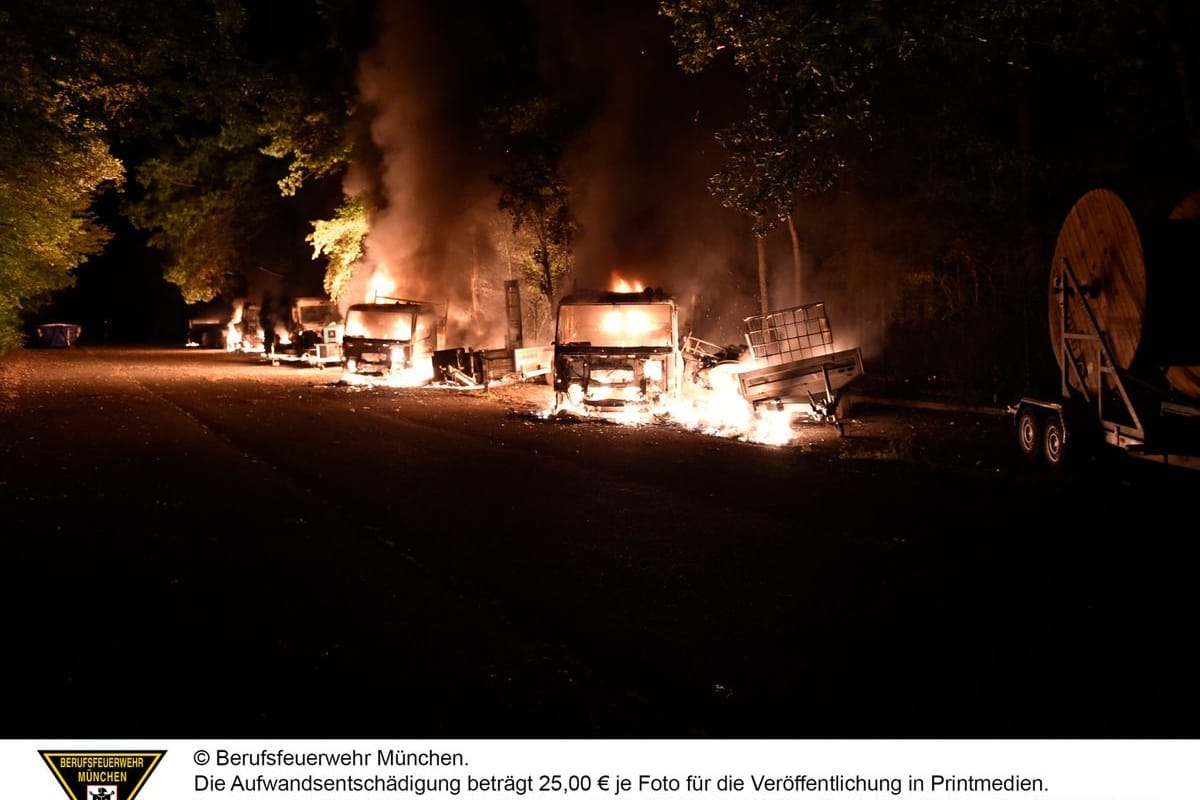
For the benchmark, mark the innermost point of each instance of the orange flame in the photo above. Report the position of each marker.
(381, 284)
(619, 284)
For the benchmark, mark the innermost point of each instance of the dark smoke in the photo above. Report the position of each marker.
(638, 163)
(432, 168)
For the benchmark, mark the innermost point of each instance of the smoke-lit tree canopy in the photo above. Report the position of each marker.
(919, 155)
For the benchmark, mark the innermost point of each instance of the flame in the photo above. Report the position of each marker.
(721, 410)
(619, 284)
(381, 284)
(630, 321)
(233, 334)
(420, 374)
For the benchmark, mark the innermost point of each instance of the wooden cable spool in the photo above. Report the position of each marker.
(1121, 280)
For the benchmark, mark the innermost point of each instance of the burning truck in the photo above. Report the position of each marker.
(313, 335)
(394, 338)
(615, 351)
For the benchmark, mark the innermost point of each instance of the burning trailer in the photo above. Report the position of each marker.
(796, 362)
(616, 351)
(394, 338)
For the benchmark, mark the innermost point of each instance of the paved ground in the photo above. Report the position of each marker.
(199, 545)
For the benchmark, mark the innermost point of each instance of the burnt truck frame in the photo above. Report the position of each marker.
(315, 332)
(392, 335)
(616, 350)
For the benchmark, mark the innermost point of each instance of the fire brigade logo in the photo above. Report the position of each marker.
(102, 776)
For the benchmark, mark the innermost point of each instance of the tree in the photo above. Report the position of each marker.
(53, 156)
(340, 240)
(535, 195)
(808, 68)
(258, 123)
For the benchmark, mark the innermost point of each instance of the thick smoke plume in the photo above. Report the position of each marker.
(431, 177)
(638, 162)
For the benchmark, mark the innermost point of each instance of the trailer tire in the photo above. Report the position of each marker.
(1029, 433)
(1054, 440)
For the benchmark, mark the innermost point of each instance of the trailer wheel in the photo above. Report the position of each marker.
(1054, 440)
(1029, 433)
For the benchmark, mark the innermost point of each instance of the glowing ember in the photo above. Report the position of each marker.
(619, 284)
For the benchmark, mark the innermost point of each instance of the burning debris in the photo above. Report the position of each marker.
(618, 354)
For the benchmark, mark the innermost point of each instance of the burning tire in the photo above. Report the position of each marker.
(1029, 433)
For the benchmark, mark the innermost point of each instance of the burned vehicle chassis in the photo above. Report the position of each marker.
(615, 351)
(612, 378)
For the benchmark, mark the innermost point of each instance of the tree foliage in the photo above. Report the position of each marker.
(340, 241)
(956, 133)
(809, 70)
(246, 133)
(535, 195)
(53, 155)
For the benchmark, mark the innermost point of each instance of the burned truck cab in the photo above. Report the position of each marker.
(615, 351)
(391, 337)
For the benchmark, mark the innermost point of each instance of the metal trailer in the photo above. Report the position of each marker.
(1102, 399)
(801, 364)
(1123, 329)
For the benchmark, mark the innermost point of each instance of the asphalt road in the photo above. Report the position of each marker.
(198, 545)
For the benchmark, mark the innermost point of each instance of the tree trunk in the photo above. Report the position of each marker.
(474, 272)
(797, 299)
(761, 243)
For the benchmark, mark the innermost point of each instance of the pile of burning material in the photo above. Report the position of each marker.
(477, 369)
(616, 352)
(708, 363)
(789, 369)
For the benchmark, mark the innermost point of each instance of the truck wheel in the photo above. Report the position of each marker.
(1054, 441)
(1029, 433)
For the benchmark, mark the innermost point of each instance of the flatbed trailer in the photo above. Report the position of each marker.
(800, 364)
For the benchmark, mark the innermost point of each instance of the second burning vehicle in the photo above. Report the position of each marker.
(616, 351)
(396, 337)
